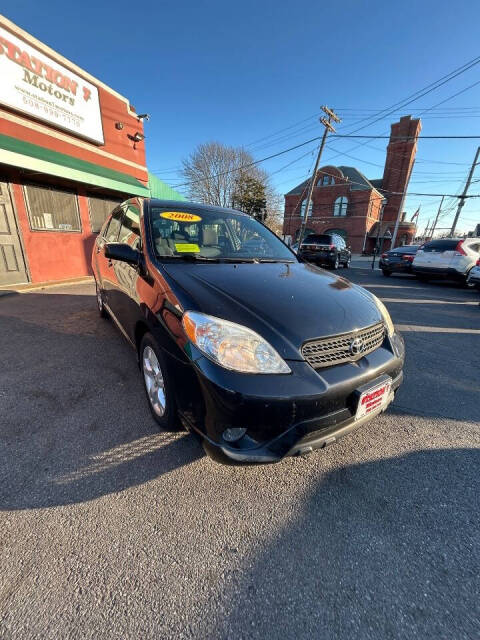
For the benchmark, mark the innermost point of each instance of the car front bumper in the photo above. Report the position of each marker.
(289, 414)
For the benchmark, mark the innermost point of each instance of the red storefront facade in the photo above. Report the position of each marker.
(70, 148)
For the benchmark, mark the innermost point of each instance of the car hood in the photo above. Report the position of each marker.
(286, 303)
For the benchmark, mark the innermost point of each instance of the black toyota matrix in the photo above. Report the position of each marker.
(260, 354)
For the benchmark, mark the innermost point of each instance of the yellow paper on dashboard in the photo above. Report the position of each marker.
(185, 247)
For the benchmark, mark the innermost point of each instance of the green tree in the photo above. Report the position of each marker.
(250, 196)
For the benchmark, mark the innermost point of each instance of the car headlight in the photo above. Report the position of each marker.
(385, 315)
(231, 345)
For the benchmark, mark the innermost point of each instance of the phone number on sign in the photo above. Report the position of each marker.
(52, 112)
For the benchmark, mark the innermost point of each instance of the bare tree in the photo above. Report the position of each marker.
(213, 171)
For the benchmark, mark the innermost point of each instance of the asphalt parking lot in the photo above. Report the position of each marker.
(110, 529)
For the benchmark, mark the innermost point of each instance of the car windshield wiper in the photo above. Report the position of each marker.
(274, 260)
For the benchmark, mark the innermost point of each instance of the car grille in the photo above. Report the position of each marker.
(326, 352)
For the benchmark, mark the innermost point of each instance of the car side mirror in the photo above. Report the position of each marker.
(122, 252)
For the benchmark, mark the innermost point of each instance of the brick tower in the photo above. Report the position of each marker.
(401, 152)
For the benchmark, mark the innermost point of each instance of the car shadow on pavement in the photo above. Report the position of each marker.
(383, 549)
(74, 421)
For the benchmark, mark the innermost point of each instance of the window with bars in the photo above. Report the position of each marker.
(52, 209)
(100, 208)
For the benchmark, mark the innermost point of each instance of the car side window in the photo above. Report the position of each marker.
(113, 227)
(130, 226)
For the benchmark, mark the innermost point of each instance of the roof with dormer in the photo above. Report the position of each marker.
(356, 180)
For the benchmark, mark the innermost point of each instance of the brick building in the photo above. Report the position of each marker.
(348, 203)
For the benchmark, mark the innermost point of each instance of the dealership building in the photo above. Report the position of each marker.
(71, 148)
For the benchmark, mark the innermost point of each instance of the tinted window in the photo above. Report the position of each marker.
(111, 232)
(318, 239)
(214, 233)
(130, 227)
(437, 246)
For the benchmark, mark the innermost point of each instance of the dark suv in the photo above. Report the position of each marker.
(260, 355)
(325, 249)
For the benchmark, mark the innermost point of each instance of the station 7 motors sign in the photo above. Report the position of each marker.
(34, 84)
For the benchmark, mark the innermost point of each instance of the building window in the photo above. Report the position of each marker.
(340, 207)
(100, 208)
(325, 181)
(302, 209)
(52, 209)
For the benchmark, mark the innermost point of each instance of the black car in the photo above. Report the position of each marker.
(259, 354)
(325, 249)
(398, 260)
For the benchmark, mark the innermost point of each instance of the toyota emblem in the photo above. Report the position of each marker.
(356, 346)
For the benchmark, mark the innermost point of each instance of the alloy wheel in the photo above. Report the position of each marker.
(154, 381)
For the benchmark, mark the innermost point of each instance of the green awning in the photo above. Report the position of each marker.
(31, 156)
(158, 189)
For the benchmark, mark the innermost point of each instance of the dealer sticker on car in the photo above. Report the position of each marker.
(373, 399)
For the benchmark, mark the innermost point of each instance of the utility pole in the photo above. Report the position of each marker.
(426, 229)
(436, 218)
(379, 223)
(461, 202)
(331, 115)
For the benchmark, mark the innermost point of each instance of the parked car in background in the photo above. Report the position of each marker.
(474, 275)
(450, 258)
(398, 260)
(325, 249)
(259, 354)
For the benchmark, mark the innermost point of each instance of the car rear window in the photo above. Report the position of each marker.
(407, 249)
(318, 239)
(437, 246)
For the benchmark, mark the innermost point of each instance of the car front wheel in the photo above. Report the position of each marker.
(386, 272)
(336, 264)
(158, 384)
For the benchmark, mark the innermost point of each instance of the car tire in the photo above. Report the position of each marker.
(386, 272)
(102, 312)
(421, 277)
(336, 264)
(158, 384)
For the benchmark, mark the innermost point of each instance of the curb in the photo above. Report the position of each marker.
(25, 288)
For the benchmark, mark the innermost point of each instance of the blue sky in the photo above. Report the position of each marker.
(237, 72)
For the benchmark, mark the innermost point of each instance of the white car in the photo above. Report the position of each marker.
(450, 258)
(474, 275)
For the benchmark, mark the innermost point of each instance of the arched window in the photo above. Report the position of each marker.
(340, 206)
(302, 209)
(339, 232)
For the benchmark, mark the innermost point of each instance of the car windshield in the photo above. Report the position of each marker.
(214, 235)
